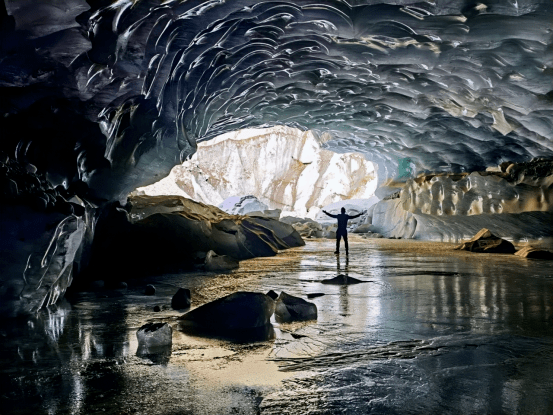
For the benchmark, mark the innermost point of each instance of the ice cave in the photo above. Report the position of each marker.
(276, 207)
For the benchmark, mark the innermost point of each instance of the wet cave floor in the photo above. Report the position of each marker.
(430, 331)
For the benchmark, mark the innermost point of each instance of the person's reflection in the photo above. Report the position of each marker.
(344, 300)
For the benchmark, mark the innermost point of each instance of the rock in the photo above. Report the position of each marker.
(237, 311)
(181, 299)
(268, 213)
(342, 280)
(150, 289)
(314, 295)
(365, 228)
(217, 263)
(97, 285)
(153, 337)
(272, 294)
(485, 241)
(309, 229)
(534, 253)
(157, 309)
(290, 308)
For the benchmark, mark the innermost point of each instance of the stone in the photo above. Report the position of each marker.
(242, 205)
(314, 295)
(342, 279)
(372, 235)
(181, 299)
(289, 308)
(149, 289)
(218, 263)
(154, 336)
(272, 294)
(485, 241)
(534, 253)
(238, 311)
(157, 309)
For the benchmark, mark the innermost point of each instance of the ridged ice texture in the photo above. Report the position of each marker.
(284, 168)
(451, 85)
(475, 194)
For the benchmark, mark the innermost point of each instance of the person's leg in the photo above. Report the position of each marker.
(338, 236)
(346, 243)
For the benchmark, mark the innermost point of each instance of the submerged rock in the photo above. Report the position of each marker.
(342, 280)
(290, 308)
(485, 241)
(534, 253)
(181, 299)
(238, 311)
(154, 335)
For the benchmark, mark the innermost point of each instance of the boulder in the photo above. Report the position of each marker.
(237, 311)
(314, 295)
(237, 205)
(181, 299)
(485, 241)
(372, 235)
(290, 308)
(218, 263)
(342, 279)
(154, 335)
(534, 253)
(365, 228)
(150, 289)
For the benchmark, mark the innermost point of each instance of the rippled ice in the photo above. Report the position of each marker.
(430, 331)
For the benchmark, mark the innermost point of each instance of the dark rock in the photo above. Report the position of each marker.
(181, 299)
(534, 253)
(157, 308)
(238, 311)
(342, 279)
(290, 308)
(272, 294)
(485, 241)
(97, 285)
(150, 289)
(314, 295)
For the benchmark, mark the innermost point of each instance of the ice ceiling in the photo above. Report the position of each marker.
(453, 85)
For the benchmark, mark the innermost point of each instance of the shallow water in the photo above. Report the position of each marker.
(431, 330)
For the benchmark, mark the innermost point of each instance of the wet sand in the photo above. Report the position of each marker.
(431, 330)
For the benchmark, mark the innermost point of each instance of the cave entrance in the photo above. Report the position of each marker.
(270, 168)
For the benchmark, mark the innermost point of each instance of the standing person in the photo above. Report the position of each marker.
(342, 231)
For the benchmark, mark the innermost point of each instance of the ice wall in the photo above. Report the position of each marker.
(283, 167)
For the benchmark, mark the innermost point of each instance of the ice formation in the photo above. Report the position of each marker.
(284, 168)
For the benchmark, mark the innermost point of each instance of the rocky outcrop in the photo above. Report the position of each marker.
(237, 311)
(534, 253)
(487, 242)
(296, 174)
(289, 308)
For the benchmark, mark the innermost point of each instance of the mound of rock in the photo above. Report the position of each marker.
(485, 241)
(534, 253)
(237, 311)
(289, 308)
(342, 280)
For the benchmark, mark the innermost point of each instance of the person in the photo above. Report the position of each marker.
(342, 231)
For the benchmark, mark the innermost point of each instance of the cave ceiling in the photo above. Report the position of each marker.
(452, 85)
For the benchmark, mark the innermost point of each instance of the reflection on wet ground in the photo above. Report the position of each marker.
(428, 330)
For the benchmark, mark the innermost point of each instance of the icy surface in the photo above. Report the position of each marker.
(284, 168)
(431, 331)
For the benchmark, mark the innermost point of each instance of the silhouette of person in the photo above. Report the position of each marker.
(342, 231)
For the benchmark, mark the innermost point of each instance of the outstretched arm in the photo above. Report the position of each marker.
(356, 216)
(329, 214)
